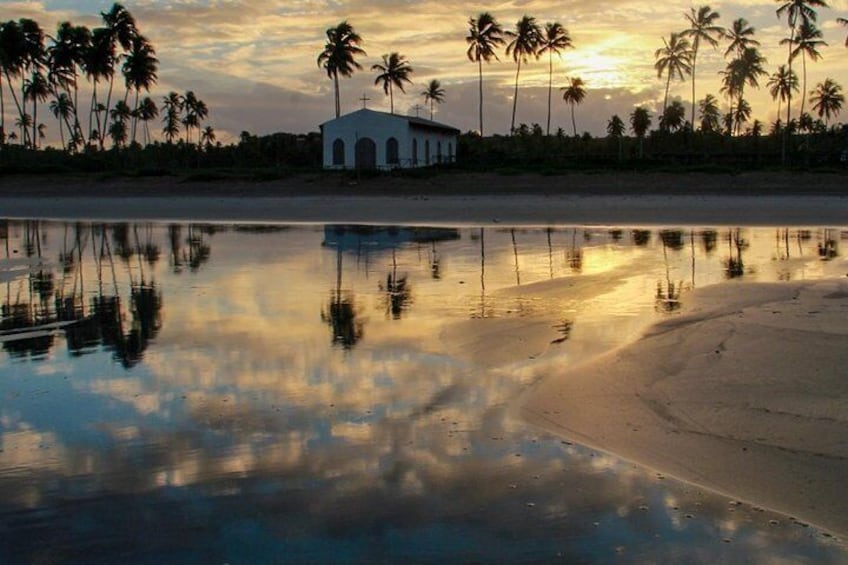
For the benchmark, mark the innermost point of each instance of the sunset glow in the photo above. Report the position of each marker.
(254, 63)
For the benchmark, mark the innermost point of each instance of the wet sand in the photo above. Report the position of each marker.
(744, 393)
(456, 198)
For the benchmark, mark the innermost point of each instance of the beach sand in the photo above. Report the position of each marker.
(449, 199)
(745, 393)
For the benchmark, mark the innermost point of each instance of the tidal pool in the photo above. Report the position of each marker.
(270, 393)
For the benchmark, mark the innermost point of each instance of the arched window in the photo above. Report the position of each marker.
(439, 152)
(426, 151)
(392, 157)
(414, 152)
(338, 152)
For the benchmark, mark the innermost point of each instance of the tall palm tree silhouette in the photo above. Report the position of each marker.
(37, 89)
(66, 55)
(640, 121)
(484, 36)
(710, 114)
(743, 70)
(62, 109)
(674, 60)
(140, 71)
(781, 85)
(12, 58)
(797, 12)
(120, 30)
(807, 40)
(574, 94)
(393, 72)
(99, 64)
(433, 93)
(147, 111)
(173, 106)
(525, 43)
(339, 55)
(702, 27)
(827, 99)
(554, 39)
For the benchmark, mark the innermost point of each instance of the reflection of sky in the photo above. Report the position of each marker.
(243, 429)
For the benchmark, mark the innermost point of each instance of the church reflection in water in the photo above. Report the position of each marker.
(249, 393)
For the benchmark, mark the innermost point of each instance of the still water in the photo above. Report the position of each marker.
(265, 393)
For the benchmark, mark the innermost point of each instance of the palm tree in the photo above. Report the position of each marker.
(484, 36)
(195, 112)
(745, 69)
(640, 121)
(98, 63)
(394, 71)
(673, 117)
(795, 10)
(173, 106)
(741, 36)
(36, 89)
(65, 56)
(615, 126)
(741, 113)
(12, 60)
(616, 129)
(338, 56)
(120, 30)
(554, 39)
(147, 111)
(63, 108)
(702, 27)
(525, 42)
(807, 39)
(827, 99)
(574, 94)
(207, 136)
(781, 85)
(674, 59)
(118, 129)
(710, 113)
(434, 93)
(140, 71)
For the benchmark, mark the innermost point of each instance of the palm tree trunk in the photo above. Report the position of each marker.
(14, 95)
(550, 86)
(431, 109)
(391, 99)
(336, 86)
(2, 114)
(91, 116)
(804, 91)
(515, 98)
(694, 59)
(573, 122)
(135, 116)
(35, 122)
(665, 98)
(108, 103)
(480, 75)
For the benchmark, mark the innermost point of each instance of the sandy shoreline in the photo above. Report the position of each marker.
(744, 394)
(452, 199)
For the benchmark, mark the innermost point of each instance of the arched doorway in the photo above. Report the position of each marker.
(366, 153)
(338, 152)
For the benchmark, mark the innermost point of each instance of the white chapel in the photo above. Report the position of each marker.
(367, 139)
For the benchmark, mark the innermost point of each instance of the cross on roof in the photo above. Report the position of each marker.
(417, 109)
(364, 99)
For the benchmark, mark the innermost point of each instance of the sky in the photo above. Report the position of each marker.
(254, 62)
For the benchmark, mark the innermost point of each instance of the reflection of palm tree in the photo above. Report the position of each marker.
(515, 255)
(734, 266)
(667, 298)
(340, 313)
(574, 255)
(398, 293)
(435, 263)
(827, 246)
(641, 237)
